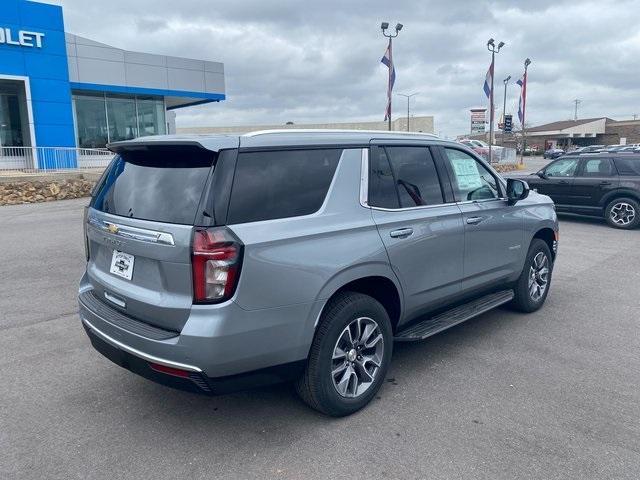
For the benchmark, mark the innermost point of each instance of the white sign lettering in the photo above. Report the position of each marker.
(22, 39)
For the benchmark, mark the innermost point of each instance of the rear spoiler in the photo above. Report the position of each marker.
(213, 143)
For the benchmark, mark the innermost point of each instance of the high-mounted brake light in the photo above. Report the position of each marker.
(216, 260)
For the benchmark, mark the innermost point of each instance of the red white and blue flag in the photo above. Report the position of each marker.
(388, 61)
(522, 104)
(488, 81)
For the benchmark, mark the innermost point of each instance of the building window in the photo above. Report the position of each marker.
(105, 118)
(150, 117)
(121, 114)
(91, 122)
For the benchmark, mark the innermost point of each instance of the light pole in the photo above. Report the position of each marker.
(491, 46)
(523, 99)
(408, 97)
(504, 106)
(384, 26)
(577, 102)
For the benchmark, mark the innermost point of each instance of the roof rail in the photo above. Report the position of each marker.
(323, 130)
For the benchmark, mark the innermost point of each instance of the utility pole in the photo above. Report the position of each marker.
(408, 97)
(390, 36)
(491, 46)
(504, 106)
(577, 102)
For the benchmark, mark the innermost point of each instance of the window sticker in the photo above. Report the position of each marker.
(467, 174)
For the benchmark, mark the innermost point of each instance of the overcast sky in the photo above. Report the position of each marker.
(305, 61)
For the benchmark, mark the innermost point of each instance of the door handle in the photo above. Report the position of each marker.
(401, 233)
(605, 183)
(563, 182)
(474, 220)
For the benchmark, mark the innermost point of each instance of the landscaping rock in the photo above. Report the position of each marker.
(25, 191)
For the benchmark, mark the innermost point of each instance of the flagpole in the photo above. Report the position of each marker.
(491, 46)
(384, 26)
(523, 93)
(491, 109)
(390, 94)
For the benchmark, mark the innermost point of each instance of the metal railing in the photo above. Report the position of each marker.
(51, 159)
(501, 155)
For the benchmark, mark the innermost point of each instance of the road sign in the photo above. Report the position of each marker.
(478, 120)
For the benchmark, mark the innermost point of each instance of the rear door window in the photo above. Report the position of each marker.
(403, 177)
(597, 167)
(281, 184)
(628, 166)
(158, 184)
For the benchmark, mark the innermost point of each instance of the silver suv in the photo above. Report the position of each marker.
(223, 262)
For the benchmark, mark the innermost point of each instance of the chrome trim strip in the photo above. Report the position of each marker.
(364, 179)
(141, 234)
(138, 353)
(418, 135)
(420, 207)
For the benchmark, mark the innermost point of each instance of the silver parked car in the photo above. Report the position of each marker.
(223, 262)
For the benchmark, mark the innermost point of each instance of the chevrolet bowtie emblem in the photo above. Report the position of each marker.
(112, 228)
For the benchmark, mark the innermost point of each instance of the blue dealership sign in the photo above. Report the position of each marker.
(33, 49)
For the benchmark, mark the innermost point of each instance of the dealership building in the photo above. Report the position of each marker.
(63, 91)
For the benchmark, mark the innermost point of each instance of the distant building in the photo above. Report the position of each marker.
(416, 124)
(568, 134)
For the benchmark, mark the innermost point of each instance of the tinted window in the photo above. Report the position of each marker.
(628, 166)
(471, 180)
(382, 185)
(562, 168)
(415, 175)
(163, 185)
(281, 184)
(597, 167)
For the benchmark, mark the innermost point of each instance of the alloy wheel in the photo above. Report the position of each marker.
(622, 213)
(357, 357)
(538, 276)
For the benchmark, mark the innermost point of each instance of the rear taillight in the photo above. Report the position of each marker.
(86, 235)
(216, 260)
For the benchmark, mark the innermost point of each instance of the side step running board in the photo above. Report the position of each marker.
(433, 325)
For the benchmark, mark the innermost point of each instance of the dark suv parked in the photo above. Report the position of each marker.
(602, 184)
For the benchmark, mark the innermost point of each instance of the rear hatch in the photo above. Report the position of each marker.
(139, 229)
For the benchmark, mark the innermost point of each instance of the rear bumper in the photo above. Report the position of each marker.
(218, 344)
(196, 381)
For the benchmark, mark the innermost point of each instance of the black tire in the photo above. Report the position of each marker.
(316, 386)
(524, 300)
(615, 216)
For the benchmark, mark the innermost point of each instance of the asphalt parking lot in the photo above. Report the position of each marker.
(550, 395)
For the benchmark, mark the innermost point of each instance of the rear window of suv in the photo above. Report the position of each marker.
(281, 184)
(628, 166)
(159, 184)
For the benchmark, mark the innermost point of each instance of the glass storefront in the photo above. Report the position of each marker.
(101, 119)
(14, 128)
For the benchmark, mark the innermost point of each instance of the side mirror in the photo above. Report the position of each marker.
(516, 190)
(541, 174)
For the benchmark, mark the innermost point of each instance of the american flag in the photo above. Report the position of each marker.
(487, 81)
(388, 61)
(523, 97)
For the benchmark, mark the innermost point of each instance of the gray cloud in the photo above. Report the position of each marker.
(320, 61)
